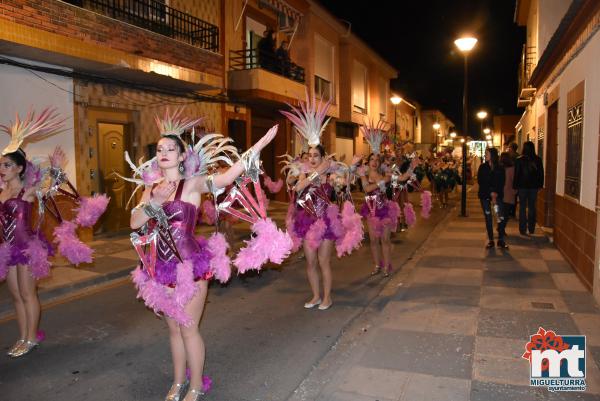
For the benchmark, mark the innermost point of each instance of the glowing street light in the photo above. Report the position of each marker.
(465, 45)
(395, 101)
(488, 137)
(453, 135)
(482, 114)
(487, 130)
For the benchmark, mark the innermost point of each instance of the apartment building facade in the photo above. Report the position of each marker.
(559, 87)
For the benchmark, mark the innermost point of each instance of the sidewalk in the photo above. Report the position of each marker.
(114, 259)
(453, 323)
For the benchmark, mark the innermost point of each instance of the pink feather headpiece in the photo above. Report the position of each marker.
(310, 118)
(32, 128)
(175, 124)
(374, 134)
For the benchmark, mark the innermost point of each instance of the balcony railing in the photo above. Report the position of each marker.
(250, 59)
(526, 67)
(157, 17)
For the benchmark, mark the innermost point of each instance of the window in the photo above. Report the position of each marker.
(324, 68)
(359, 88)
(574, 148)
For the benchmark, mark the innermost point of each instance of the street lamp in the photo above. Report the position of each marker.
(436, 127)
(465, 45)
(395, 101)
(481, 115)
(487, 130)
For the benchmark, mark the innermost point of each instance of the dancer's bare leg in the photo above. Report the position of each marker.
(311, 272)
(325, 262)
(375, 246)
(28, 291)
(192, 340)
(386, 248)
(13, 288)
(177, 351)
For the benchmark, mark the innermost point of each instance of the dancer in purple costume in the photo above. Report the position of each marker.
(381, 214)
(23, 252)
(316, 222)
(178, 287)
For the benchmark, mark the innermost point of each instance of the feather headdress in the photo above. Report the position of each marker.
(310, 118)
(175, 124)
(32, 128)
(374, 134)
(208, 151)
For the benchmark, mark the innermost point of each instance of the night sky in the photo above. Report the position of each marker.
(417, 38)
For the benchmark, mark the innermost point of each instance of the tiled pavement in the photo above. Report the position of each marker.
(454, 324)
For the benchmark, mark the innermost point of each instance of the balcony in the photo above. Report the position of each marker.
(526, 67)
(264, 77)
(159, 18)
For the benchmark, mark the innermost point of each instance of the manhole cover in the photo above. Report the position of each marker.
(542, 305)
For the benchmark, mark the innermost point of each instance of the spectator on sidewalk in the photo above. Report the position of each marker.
(509, 191)
(491, 194)
(529, 179)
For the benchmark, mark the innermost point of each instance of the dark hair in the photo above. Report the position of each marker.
(505, 159)
(20, 159)
(513, 146)
(320, 148)
(302, 154)
(494, 157)
(529, 150)
(177, 140)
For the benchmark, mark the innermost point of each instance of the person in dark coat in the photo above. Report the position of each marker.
(529, 178)
(266, 51)
(490, 177)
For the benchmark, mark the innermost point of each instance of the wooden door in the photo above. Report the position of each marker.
(112, 144)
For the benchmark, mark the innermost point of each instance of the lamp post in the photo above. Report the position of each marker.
(436, 127)
(395, 101)
(481, 115)
(465, 45)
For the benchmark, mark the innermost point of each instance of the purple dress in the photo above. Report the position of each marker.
(310, 208)
(20, 245)
(182, 222)
(172, 286)
(380, 212)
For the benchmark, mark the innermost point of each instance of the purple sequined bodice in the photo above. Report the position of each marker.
(377, 197)
(15, 217)
(315, 198)
(182, 222)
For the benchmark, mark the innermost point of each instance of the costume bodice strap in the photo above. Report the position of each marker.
(179, 190)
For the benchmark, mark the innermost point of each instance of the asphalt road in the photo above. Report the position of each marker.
(260, 341)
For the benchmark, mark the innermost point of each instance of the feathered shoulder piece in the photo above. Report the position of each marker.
(375, 134)
(175, 124)
(32, 128)
(292, 166)
(309, 118)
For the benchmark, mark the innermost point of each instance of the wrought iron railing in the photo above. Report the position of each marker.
(526, 66)
(157, 17)
(251, 58)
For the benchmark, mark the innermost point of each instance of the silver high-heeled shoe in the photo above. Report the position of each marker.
(193, 395)
(176, 392)
(15, 347)
(25, 348)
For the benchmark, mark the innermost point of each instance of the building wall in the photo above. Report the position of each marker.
(135, 107)
(551, 13)
(584, 67)
(27, 91)
(94, 29)
(206, 10)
